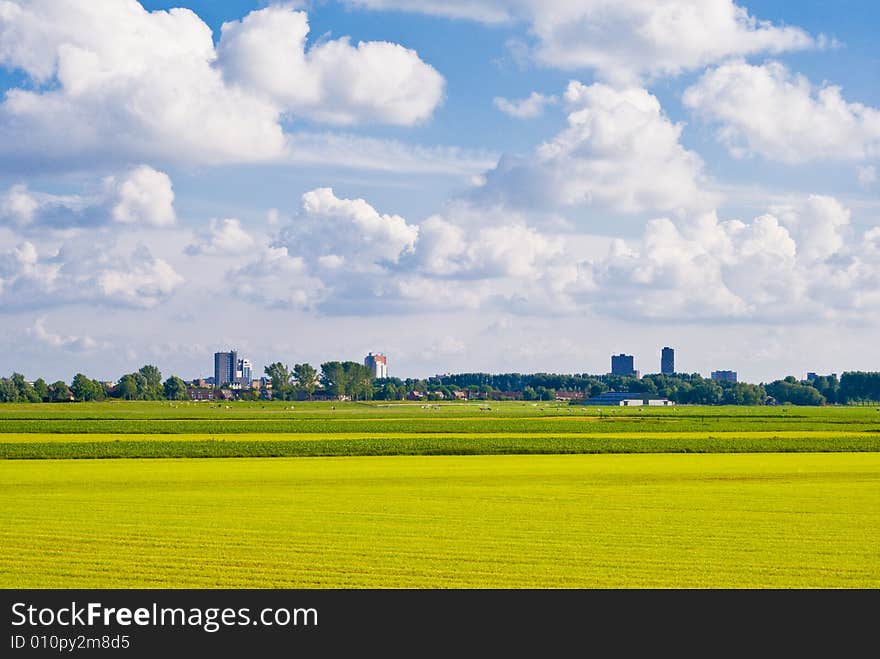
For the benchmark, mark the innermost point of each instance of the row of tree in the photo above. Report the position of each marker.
(336, 379)
(354, 380)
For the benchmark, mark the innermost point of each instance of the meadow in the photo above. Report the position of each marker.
(593, 521)
(167, 430)
(505, 495)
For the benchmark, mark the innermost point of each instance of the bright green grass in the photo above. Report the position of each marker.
(60, 446)
(768, 520)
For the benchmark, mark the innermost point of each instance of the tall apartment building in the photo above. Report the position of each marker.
(378, 365)
(723, 376)
(667, 361)
(622, 365)
(225, 367)
(245, 371)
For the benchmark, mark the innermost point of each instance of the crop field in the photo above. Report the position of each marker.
(168, 430)
(759, 520)
(502, 495)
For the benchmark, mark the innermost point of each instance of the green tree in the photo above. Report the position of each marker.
(306, 378)
(26, 392)
(83, 388)
(59, 392)
(41, 389)
(358, 380)
(545, 394)
(175, 389)
(280, 376)
(152, 387)
(8, 391)
(333, 378)
(127, 387)
(785, 391)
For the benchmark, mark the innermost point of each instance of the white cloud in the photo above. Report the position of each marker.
(768, 111)
(114, 82)
(84, 270)
(867, 176)
(623, 40)
(332, 81)
(506, 250)
(222, 237)
(526, 108)
(348, 228)
(144, 196)
(803, 264)
(619, 151)
(140, 196)
(819, 225)
(41, 333)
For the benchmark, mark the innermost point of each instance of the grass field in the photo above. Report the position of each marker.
(464, 495)
(769, 520)
(168, 430)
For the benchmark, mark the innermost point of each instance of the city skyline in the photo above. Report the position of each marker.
(485, 186)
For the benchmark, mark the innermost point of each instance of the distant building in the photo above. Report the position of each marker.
(225, 367)
(625, 399)
(622, 365)
(245, 372)
(667, 361)
(200, 393)
(378, 365)
(724, 376)
(815, 376)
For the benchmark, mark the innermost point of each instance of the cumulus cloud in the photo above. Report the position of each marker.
(42, 334)
(340, 256)
(349, 229)
(333, 81)
(221, 238)
(511, 249)
(143, 196)
(526, 108)
(619, 150)
(800, 264)
(820, 225)
(766, 110)
(83, 271)
(624, 40)
(140, 196)
(112, 81)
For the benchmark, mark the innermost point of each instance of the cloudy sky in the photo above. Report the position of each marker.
(493, 185)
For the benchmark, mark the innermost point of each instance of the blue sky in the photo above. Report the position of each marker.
(711, 185)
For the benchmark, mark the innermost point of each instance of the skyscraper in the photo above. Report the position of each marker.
(622, 365)
(225, 366)
(245, 371)
(723, 376)
(667, 361)
(378, 364)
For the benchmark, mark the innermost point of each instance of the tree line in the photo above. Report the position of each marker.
(348, 379)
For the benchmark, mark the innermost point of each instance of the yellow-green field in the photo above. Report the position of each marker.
(263, 495)
(659, 520)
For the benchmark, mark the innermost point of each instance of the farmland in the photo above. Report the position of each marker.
(769, 520)
(471, 495)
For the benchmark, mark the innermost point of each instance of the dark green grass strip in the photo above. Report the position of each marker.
(427, 425)
(427, 446)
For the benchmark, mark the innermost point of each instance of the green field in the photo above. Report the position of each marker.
(769, 520)
(466, 495)
(169, 430)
